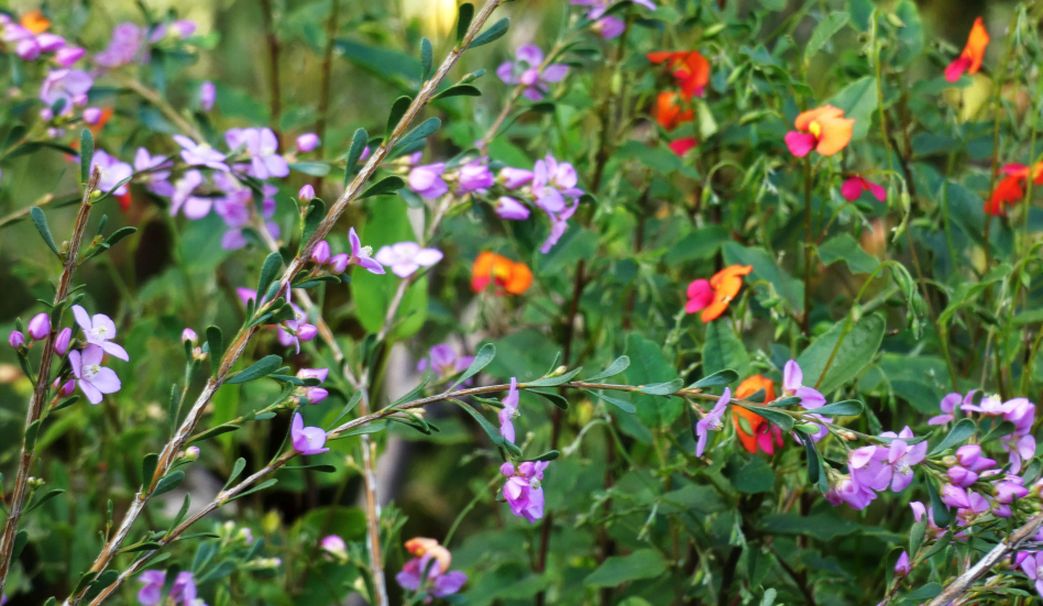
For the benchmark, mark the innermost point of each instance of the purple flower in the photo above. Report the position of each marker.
(124, 47)
(1032, 565)
(429, 569)
(362, 256)
(1021, 448)
(971, 457)
(474, 176)
(1009, 489)
(527, 70)
(510, 209)
(307, 142)
(189, 335)
(426, 180)
(200, 154)
(113, 173)
(307, 440)
(850, 491)
(320, 255)
(67, 56)
(1022, 413)
(443, 360)
(313, 394)
(523, 489)
(810, 398)
(306, 193)
(513, 178)
(92, 378)
(152, 592)
(92, 115)
(554, 190)
(405, 258)
(183, 591)
(262, 146)
(509, 411)
(16, 339)
(335, 546)
(712, 421)
(880, 467)
(66, 86)
(39, 327)
(207, 95)
(947, 406)
(608, 27)
(920, 511)
(902, 566)
(99, 330)
(151, 170)
(61, 342)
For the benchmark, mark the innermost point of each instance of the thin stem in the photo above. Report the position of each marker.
(168, 111)
(808, 236)
(274, 85)
(238, 344)
(42, 386)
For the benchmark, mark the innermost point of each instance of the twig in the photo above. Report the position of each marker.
(168, 111)
(43, 385)
(274, 84)
(238, 344)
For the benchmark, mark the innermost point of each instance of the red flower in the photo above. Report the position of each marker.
(690, 70)
(1011, 188)
(854, 186)
(973, 53)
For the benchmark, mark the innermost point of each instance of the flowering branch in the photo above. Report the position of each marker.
(42, 385)
(238, 345)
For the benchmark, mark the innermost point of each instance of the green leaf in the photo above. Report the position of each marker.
(959, 433)
(724, 376)
(910, 33)
(858, 100)
(490, 430)
(169, 482)
(617, 570)
(494, 32)
(315, 169)
(844, 248)
(723, 350)
(482, 359)
(316, 213)
(460, 90)
(617, 366)
(40, 221)
(664, 388)
(39, 500)
(844, 408)
(148, 467)
(649, 366)
(780, 419)
(261, 368)
(756, 476)
(215, 344)
(823, 33)
(555, 380)
(463, 20)
(86, 154)
(857, 349)
(398, 109)
(616, 401)
(942, 515)
(237, 469)
(269, 271)
(768, 275)
(415, 139)
(426, 58)
(358, 145)
(550, 455)
(385, 187)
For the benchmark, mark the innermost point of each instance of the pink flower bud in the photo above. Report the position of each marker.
(307, 142)
(307, 332)
(313, 373)
(902, 566)
(16, 339)
(61, 343)
(306, 193)
(339, 263)
(335, 546)
(91, 115)
(192, 453)
(320, 255)
(39, 326)
(314, 395)
(189, 335)
(68, 55)
(67, 388)
(207, 95)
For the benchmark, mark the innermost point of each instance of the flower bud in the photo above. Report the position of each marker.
(320, 255)
(68, 55)
(191, 453)
(339, 263)
(306, 193)
(307, 332)
(314, 395)
(16, 339)
(92, 115)
(189, 335)
(808, 428)
(39, 326)
(67, 388)
(847, 435)
(307, 142)
(61, 343)
(335, 546)
(313, 373)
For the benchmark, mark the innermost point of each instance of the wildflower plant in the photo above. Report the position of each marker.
(592, 302)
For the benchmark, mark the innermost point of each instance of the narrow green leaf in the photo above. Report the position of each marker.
(215, 431)
(40, 500)
(169, 482)
(265, 484)
(844, 408)
(493, 33)
(780, 419)
(414, 139)
(460, 90)
(148, 467)
(617, 366)
(269, 271)
(316, 212)
(554, 381)
(942, 515)
(237, 470)
(386, 186)
(481, 360)
(823, 32)
(398, 109)
(86, 154)
(358, 145)
(40, 221)
(261, 368)
(616, 401)
(464, 15)
(426, 58)
(963, 429)
(215, 344)
(725, 376)
(489, 428)
(550, 455)
(661, 389)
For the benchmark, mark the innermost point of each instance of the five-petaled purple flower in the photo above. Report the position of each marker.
(891, 465)
(711, 421)
(307, 440)
(443, 360)
(362, 255)
(810, 398)
(92, 378)
(262, 147)
(527, 70)
(426, 180)
(99, 330)
(405, 258)
(524, 489)
(509, 411)
(200, 154)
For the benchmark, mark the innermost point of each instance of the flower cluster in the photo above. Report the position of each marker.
(690, 73)
(524, 488)
(93, 379)
(183, 591)
(529, 71)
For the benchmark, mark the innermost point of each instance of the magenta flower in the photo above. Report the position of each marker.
(850, 491)
(113, 173)
(67, 56)
(16, 340)
(262, 147)
(854, 185)
(307, 142)
(443, 360)
(306, 193)
(207, 95)
(152, 592)
(200, 154)
(124, 46)
(513, 178)
(92, 378)
(39, 327)
(314, 394)
(527, 70)
(523, 489)
(152, 171)
(711, 421)
(1031, 563)
(335, 546)
(426, 180)
(405, 258)
(307, 440)
(362, 255)
(608, 27)
(880, 467)
(948, 406)
(99, 330)
(793, 385)
(474, 176)
(509, 411)
(510, 209)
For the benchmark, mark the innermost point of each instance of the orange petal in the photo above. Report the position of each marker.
(520, 279)
(35, 22)
(753, 384)
(668, 112)
(836, 134)
(977, 41)
(482, 270)
(753, 420)
(804, 119)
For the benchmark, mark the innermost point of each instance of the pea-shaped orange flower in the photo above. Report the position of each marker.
(713, 296)
(35, 22)
(973, 53)
(690, 70)
(823, 129)
(1011, 188)
(669, 111)
(754, 431)
(511, 277)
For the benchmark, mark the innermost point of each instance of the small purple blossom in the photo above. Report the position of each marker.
(99, 330)
(880, 467)
(443, 360)
(16, 339)
(39, 327)
(307, 142)
(262, 147)
(207, 95)
(810, 398)
(426, 180)
(513, 178)
(67, 56)
(62, 341)
(113, 173)
(554, 190)
(712, 421)
(509, 411)
(306, 193)
(902, 566)
(153, 172)
(320, 255)
(93, 379)
(847, 489)
(307, 440)
(428, 570)
(1031, 563)
(200, 154)
(183, 591)
(527, 70)
(405, 258)
(152, 592)
(510, 209)
(474, 176)
(363, 256)
(335, 546)
(124, 47)
(523, 489)
(609, 26)
(67, 87)
(189, 335)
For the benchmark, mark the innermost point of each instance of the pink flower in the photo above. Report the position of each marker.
(523, 489)
(853, 187)
(307, 142)
(306, 193)
(99, 330)
(92, 378)
(880, 467)
(700, 295)
(902, 566)
(62, 341)
(848, 490)
(405, 258)
(307, 440)
(335, 546)
(426, 180)
(16, 340)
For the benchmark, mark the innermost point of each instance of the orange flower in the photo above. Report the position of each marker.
(713, 296)
(970, 59)
(762, 435)
(509, 276)
(669, 112)
(690, 70)
(1011, 188)
(824, 129)
(35, 22)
